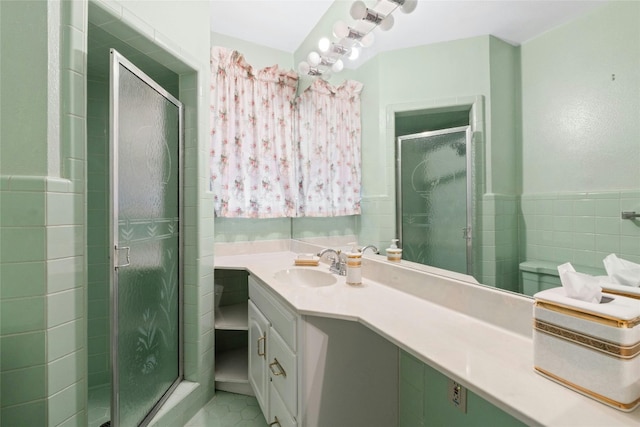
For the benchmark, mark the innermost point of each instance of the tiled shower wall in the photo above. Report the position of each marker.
(42, 214)
(97, 231)
(499, 242)
(581, 228)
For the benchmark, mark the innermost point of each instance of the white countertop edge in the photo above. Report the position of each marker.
(492, 362)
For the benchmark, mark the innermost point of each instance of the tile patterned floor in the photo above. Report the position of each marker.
(224, 410)
(229, 410)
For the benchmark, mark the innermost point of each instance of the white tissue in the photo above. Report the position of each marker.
(622, 271)
(578, 285)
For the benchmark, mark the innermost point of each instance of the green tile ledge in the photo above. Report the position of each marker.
(178, 406)
(551, 268)
(35, 183)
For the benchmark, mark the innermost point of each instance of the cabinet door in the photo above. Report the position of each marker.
(258, 378)
(283, 370)
(279, 414)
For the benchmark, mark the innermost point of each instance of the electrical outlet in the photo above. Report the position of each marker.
(458, 396)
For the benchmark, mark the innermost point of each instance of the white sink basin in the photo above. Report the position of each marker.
(305, 277)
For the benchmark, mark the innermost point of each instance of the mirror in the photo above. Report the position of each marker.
(557, 151)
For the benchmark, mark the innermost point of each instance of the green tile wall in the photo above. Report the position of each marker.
(424, 402)
(235, 286)
(97, 220)
(581, 228)
(43, 203)
(498, 242)
(42, 214)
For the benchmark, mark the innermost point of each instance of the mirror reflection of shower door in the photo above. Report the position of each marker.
(434, 198)
(146, 139)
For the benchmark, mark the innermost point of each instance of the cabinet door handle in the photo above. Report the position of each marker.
(277, 364)
(262, 353)
(275, 423)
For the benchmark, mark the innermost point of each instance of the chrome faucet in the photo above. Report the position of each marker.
(372, 247)
(338, 262)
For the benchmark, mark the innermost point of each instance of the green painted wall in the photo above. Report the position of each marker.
(503, 152)
(256, 55)
(24, 28)
(576, 116)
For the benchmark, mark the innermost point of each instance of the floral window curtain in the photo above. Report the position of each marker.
(329, 168)
(253, 174)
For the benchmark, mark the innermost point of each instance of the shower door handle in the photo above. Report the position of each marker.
(466, 233)
(127, 255)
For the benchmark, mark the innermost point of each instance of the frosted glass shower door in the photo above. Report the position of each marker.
(433, 190)
(146, 125)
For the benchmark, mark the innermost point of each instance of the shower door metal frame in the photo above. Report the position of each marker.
(117, 60)
(468, 230)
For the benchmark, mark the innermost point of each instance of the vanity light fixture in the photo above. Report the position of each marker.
(360, 11)
(324, 44)
(406, 6)
(352, 38)
(314, 59)
(343, 31)
(305, 68)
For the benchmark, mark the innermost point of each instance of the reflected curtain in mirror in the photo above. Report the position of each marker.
(330, 166)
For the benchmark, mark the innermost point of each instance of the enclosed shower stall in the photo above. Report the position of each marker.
(134, 256)
(434, 198)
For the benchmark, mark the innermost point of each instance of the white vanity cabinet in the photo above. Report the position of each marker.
(314, 371)
(273, 369)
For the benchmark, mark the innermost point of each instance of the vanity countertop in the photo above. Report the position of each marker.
(493, 362)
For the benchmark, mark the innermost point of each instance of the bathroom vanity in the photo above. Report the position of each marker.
(301, 366)
(328, 355)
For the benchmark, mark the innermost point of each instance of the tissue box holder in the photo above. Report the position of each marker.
(593, 349)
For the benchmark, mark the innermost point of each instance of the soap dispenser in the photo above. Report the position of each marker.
(394, 253)
(354, 266)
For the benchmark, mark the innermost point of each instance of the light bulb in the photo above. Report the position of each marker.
(337, 66)
(314, 59)
(358, 10)
(340, 30)
(324, 44)
(354, 54)
(303, 67)
(409, 6)
(386, 23)
(367, 40)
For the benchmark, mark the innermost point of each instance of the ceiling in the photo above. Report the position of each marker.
(284, 24)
